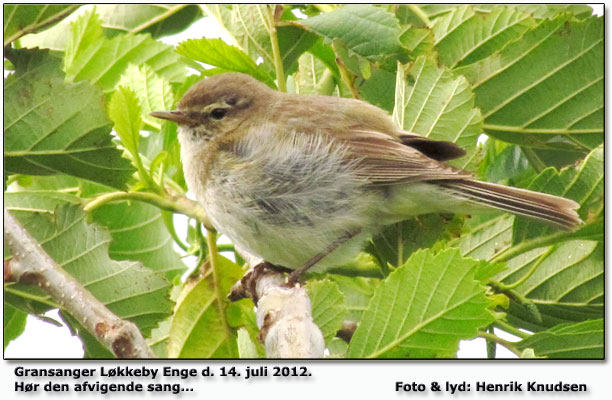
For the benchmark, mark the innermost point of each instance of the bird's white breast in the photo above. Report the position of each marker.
(285, 197)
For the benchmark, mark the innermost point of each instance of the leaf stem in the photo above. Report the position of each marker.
(226, 247)
(518, 129)
(510, 329)
(496, 339)
(400, 244)
(159, 18)
(145, 176)
(169, 222)
(177, 204)
(491, 346)
(533, 159)
(346, 78)
(278, 59)
(420, 14)
(213, 254)
(326, 84)
(529, 245)
(529, 273)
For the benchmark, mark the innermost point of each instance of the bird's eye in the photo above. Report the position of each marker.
(218, 113)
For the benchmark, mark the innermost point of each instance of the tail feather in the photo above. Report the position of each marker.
(552, 209)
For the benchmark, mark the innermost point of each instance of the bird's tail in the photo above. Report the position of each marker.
(552, 209)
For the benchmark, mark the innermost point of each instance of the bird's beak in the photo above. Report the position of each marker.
(175, 116)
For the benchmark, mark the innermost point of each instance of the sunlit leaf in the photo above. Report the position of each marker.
(91, 56)
(127, 288)
(199, 328)
(545, 90)
(54, 127)
(579, 340)
(21, 19)
(423, 309)
(220, 54)
(430, 101)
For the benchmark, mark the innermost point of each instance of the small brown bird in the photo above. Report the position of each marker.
(302, 180)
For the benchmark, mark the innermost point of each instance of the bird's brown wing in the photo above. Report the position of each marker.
(436, 149)
(383, 160)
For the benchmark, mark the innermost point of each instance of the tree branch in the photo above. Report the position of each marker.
(284, 314)
(31, 265)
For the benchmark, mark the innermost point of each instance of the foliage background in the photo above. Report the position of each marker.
(101, 204)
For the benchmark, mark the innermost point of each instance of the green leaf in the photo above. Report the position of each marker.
(199, 327)
(326, 55)
(357, 293)
(559, 274)
(91, 56)
(124, 110)
(293, 42)
(128, 289)
(220, 54)
(36, 202)
(463, 37)
(158, 340)
(542, 11)
(14, 322)
(566, 286)
(53, 127)
(156, 19)
(246, 346)
(538, 11)
(430, 101)
(366, 30)
(369, 80)
(506, 164)
(21, 19)
(423, 309)
(418, 41)
(246, 23)
(579, 340)
(139, 234)
(583, 184)
(154, 93)
(313, 77)
(337, 348)
(545, 90)
(397, 242)
(328, 310)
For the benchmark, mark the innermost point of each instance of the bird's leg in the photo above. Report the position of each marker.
(247, 286)
(276, 268)
(297, 274)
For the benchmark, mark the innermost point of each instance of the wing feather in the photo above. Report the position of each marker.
(383, 160)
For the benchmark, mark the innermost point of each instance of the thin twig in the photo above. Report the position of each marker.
(510, 329)
(278, 59)
(177, 204)
(494, 338)
(213, 258)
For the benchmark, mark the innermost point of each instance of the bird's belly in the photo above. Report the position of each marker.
(288, 206)
(288, 245)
